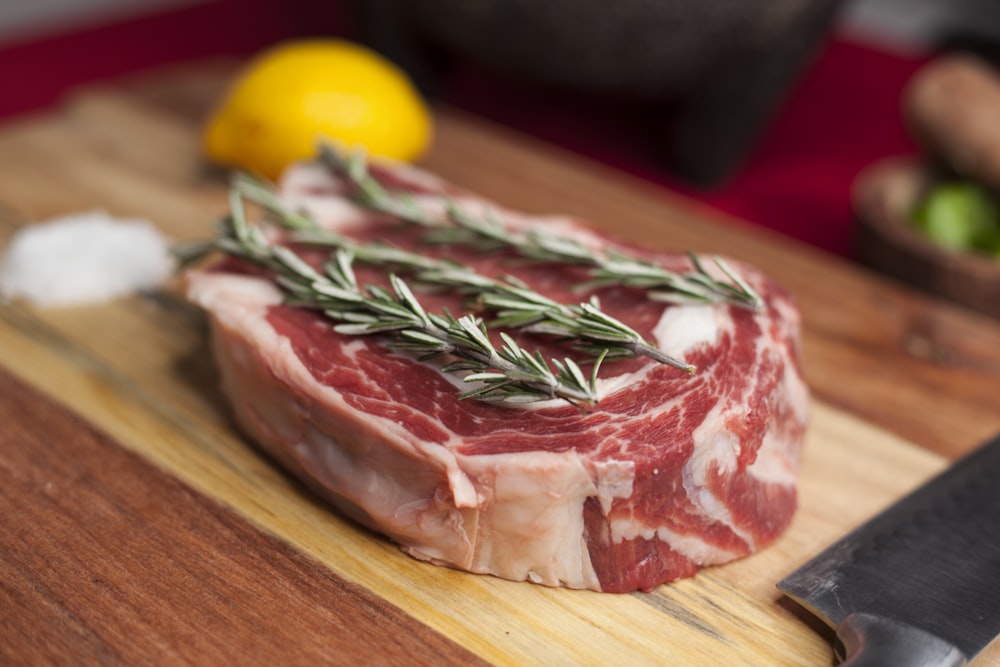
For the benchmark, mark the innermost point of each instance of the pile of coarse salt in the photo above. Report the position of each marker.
(82, 259)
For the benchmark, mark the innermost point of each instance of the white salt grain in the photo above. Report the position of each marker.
(83, 259)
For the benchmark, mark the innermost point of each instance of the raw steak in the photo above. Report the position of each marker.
(668, 474)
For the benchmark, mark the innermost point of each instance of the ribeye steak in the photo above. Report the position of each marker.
(669, 473)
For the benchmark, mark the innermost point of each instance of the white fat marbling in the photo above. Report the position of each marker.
(683, 328)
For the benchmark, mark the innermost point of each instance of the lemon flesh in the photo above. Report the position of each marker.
(294, 94)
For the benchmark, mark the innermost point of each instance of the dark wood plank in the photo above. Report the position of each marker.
(106, 559)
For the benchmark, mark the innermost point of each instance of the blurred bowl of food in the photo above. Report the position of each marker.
(915, 227)
(933, 220)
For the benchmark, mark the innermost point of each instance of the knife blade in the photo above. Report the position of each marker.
(918, 585)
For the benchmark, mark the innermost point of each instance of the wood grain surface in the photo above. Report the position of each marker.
(174, 495)
(109, 559)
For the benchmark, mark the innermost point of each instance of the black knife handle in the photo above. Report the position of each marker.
(868, 640)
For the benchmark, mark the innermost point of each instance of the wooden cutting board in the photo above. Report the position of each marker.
(139, 526)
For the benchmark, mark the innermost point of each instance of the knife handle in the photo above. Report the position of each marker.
(869, 640)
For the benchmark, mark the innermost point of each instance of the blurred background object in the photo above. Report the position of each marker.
(834, 111)
(933, 219)
(300, 89)
(49, 47)
(917, 25)
(708, 74)
(886, 196)
(21, 20)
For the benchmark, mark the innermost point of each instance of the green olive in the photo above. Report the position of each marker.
(960, 215)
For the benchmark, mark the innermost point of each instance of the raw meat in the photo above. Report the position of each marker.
(668, 474)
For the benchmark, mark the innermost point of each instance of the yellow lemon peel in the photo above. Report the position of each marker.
(298, 92)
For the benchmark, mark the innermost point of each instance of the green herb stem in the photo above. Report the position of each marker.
(485, 232)
(516, 305)
(509, 374)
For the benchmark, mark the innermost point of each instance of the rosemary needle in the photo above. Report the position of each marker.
(508, 374)
(610, 268)
(516, 305)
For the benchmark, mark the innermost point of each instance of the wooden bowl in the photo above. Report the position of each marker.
(883, 197)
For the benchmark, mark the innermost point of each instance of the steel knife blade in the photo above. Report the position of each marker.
(919, 583)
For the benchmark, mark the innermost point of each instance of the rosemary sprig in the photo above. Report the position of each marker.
(610, 268)
(516, 305)
(509, 374)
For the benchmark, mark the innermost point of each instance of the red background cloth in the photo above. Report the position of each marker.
(841, 116)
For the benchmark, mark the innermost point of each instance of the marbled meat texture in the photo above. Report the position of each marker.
(668, 474)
